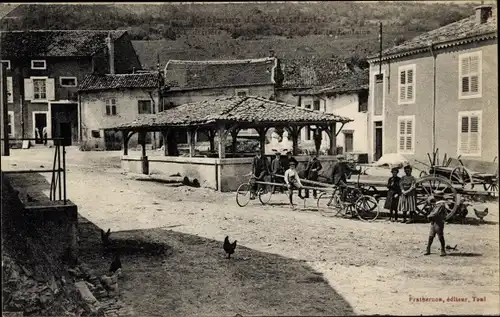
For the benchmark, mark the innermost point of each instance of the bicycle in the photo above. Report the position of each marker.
(264, 192)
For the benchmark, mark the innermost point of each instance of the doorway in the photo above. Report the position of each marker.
(348, 141)
(378, 140)
(39, 122)
(64, 132)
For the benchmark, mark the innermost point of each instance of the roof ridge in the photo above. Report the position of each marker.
(72, 30)
(224, 61)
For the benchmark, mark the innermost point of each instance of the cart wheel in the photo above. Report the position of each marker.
(367, 208)
(438, 188)
(461, 176)
(329, 203)
(423, 173)
(265, 193)
(492, 186)
(243, 195)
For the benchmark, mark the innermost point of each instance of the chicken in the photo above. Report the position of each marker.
(110, 283)
(116, 264)
(229, 247)
(106, 242)
(480, 211)
(450, 248)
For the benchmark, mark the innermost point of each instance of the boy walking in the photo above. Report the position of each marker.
(437, 217)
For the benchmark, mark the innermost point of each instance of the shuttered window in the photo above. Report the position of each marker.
(470, 69)
(406, 134)
(469, 133)
(111, 107)
(10, 90)
(406, 84)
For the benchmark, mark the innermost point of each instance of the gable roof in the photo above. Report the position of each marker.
(456, 33)
(94, 82)
(190, 75)
(55, 43)
(242, 110)
(349, 82)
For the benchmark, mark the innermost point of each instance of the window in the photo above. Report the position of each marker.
(348, 140)
(406, 84)
(470, 69)
(241, 92)
(363, 101)
(379, 95)
(469, 133)
(406, 134)
(145, 106)
(7, 63)
(10, 90)
(316, 105)
(38, 64)
(111, 107)
(10, 124)
(67, 81)
(96, 133)
(39, 89)
(308, 106)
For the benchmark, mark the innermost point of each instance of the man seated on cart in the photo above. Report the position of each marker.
(260, 169)
(292, 181)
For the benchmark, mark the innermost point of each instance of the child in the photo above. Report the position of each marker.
(292, 181)
(437, 226)
(408, 198)
(392, 200)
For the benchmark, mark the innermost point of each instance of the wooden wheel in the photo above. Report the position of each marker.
(491, 184)
(423, 173)
(437, 188)
(461, 176)
(243, 194)
(367, 208)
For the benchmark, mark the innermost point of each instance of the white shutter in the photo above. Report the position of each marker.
(464, 135)
(401, 134)
(10, 91)
(28, 89)
(409, 84)
(402, 86)
(409, 135)
(474, 74)
(474, 135)
(50, 89)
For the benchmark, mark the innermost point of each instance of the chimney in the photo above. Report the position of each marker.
(271, 53)
(483, 13)
(111, 53)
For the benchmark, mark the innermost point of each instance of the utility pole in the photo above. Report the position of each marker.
(380, 48)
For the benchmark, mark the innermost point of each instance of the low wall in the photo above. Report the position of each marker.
(220, 174)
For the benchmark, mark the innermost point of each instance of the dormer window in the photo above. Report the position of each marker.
(38, 64)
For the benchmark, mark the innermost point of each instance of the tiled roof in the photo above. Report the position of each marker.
(461, 30)
(349, 82)
(101, 82)
(50, 43)
(250, 110)
(188, 75)
(311, 72)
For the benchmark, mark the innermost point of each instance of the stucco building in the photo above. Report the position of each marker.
(346, 96)
(111, 99)
(45, 68)
(438, 90)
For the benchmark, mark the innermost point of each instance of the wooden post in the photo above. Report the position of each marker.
(144, 158)
(126, 138)
(262, 139)
(294, 132)
(333, 139)
(165, 135)
(191, 142)
(234, 144)
(221, 131)
(211, 139)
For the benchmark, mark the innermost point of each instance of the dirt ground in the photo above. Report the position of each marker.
(289, 262)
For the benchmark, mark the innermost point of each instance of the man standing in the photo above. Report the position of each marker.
(260, 169)
(311, 173)
(437, 226)
(44, 134)
(277, 168)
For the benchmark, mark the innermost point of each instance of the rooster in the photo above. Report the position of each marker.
(480, 211)
(229, 247)
(451, 248)
(116, 264)
(110, 283)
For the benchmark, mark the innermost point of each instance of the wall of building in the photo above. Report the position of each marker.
(286, 96)
(448, 104)
(93, 112)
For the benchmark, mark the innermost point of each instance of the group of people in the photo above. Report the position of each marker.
(401, 196)
(43, 136)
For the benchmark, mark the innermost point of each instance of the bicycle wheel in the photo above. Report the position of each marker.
(348, 204)
(367, 208)
(328, 204)
(243, 195)
(265, 193)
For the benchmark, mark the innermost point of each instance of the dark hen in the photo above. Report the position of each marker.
(229, 247)
(106, 242)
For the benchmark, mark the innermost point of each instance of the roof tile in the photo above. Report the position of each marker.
(94, 82)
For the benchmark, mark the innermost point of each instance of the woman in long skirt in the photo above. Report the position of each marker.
(407, 201)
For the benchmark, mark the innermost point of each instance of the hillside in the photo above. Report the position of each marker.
(248, 30)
